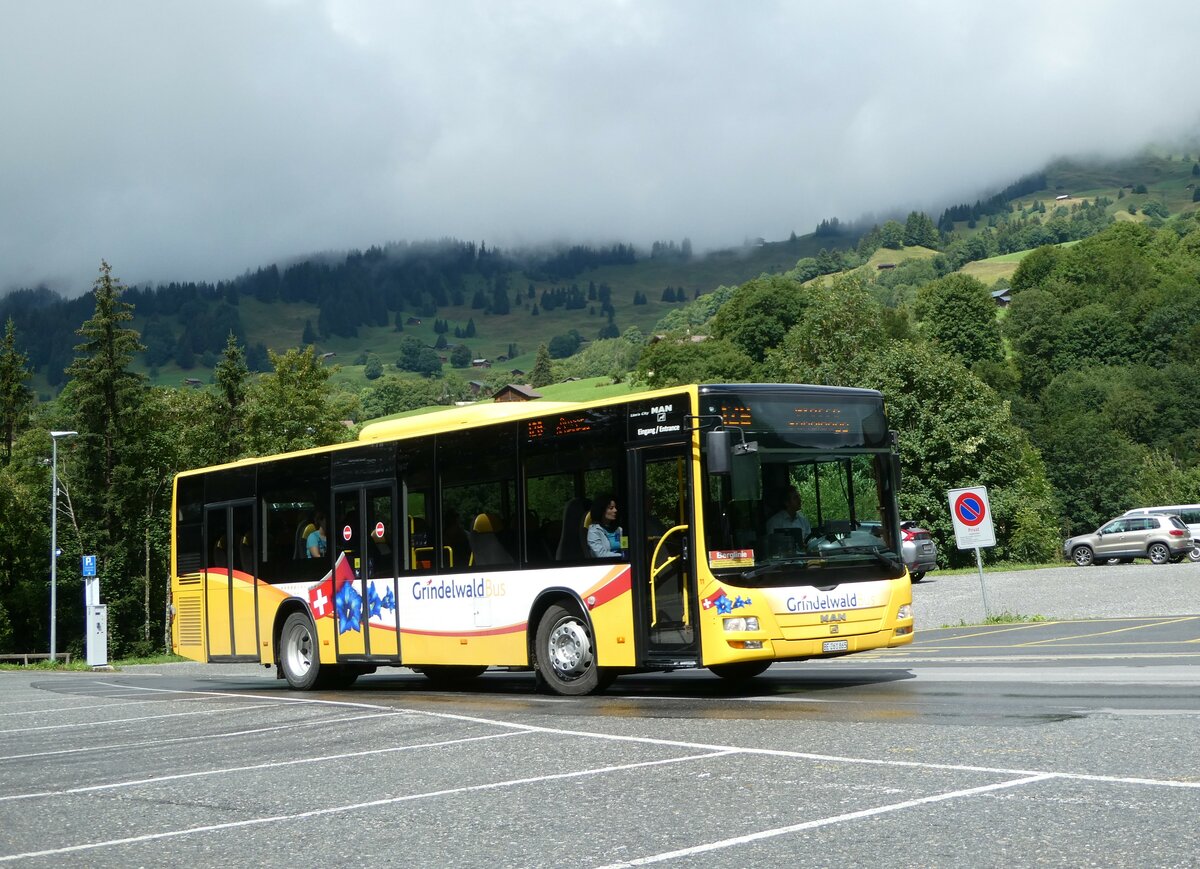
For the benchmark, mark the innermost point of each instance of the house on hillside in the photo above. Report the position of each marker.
(516, 392)
(413, 321)
(1001, 298)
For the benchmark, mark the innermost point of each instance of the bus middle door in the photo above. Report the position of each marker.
(664, 580)
(364, 540)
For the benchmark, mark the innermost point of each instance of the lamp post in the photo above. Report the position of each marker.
(54, 436)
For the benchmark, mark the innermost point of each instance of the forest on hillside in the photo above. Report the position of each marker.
(1071, 404)
(387, 290)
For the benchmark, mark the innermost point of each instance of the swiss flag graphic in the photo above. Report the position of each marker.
(320, 598)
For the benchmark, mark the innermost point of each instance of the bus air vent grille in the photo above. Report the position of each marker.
(191, 628)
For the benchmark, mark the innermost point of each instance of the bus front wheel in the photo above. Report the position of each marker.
(565, 653)
(299, 655)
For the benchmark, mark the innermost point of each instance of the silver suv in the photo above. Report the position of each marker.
(1157, 537)
(1189, 513)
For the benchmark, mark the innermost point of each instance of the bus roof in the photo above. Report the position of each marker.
(459, 417)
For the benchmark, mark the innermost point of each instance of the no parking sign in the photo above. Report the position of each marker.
(972, 517)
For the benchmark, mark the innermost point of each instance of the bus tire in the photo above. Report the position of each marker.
(452, 675)
(299, 654)
(565, 653)
(742, 671)
(342, 676)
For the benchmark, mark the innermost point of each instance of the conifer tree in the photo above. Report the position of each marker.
(114, 474)
(15, 395)
(542, 374)
(231, 376)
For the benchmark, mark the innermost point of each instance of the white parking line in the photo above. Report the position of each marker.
(61, 708)
(271, 765)
(93, 724)
(200, 737)
(698, 751)
(334, 810)
(824, 822)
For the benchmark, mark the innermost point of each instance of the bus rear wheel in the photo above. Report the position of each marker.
(741, 671)
(565, 653)
(299, 655)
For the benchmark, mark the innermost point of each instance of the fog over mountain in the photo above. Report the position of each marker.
(196, 140)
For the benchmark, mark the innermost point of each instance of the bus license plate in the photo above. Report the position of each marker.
(835, 645)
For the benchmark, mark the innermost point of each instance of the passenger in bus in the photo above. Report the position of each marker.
(317, 543)
(789, 518)
(604, 534)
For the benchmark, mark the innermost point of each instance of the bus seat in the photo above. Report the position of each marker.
(572, 542)
(302, 531)
(245, 554)
(486, 547)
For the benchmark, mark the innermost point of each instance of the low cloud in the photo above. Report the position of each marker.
(194, 141)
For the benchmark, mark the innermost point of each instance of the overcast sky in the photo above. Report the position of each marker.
(194, 140)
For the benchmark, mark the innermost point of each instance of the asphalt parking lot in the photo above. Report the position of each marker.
(1065, 743)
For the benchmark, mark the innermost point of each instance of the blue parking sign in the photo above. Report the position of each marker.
(89, 565)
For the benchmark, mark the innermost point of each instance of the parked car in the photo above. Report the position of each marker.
(918, 550)
(1189, 513)
(1155, 536)
(916, 545)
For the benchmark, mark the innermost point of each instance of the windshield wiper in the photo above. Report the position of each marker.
(773, 567)
(878, 553)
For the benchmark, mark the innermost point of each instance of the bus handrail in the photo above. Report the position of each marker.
(656, 570)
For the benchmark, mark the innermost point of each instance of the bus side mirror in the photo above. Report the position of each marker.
(719, 446)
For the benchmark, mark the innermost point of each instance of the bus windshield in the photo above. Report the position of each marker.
(808, 496)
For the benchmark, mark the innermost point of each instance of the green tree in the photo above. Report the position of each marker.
(293, 407)
(1034, 268)
(759, 313)
(958, 315)
(676, 360)
(392, 395)
(1034, 328)
(919, 230)
(971, 437)
(373, 369)
(891, 235)
(25, 541)
(231, 377)
(841, 327)
(104, 400)
(542, 374)
(15, 396)
(103, 390)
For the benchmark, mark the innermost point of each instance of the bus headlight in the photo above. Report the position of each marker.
(742, 623)
(905, 611)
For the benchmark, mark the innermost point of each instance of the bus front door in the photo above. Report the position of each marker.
(230, 588)
(664, 580)
(364, 540)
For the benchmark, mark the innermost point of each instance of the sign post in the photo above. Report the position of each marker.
(973, 528)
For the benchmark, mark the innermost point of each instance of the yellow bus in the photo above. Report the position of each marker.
(742, 525)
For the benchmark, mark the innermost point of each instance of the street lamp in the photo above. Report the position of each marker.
(54, 436)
